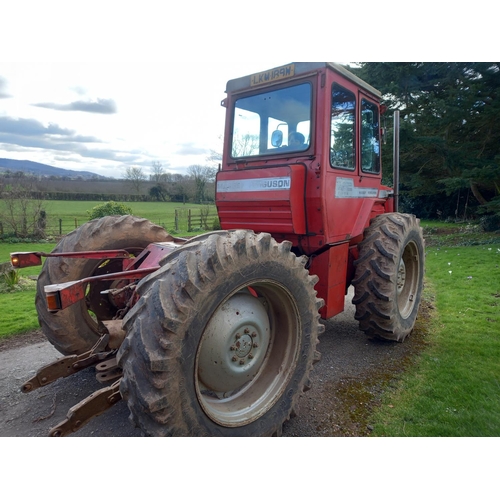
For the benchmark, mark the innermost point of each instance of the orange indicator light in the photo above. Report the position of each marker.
(53, 301)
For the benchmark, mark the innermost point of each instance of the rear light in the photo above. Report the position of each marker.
(53, 301)
(25, 259)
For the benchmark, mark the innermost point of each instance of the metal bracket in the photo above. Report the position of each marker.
(92, 406)
(108, 371)
(68, 365)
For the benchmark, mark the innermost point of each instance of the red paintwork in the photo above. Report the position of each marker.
(29, 259)
(295, 196)
(331, 267)
(310, 215)
(25, 259)
(280, 211)
(60, 296)
(70, 292)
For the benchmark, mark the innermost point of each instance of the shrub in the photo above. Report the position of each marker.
(108, 208)
(11, 278)
(490, 223)
(216, 224)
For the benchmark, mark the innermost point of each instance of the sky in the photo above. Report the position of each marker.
(100, 86)
(102, 117)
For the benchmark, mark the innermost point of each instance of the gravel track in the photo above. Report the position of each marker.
(346, 385)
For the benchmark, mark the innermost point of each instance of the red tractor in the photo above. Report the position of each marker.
(217, 335)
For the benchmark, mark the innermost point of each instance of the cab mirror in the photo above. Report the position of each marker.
(276, 138)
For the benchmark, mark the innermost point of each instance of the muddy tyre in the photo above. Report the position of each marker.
(222, 340)
(389, 276)
(74, 330)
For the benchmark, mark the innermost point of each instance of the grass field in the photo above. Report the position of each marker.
(71, 214)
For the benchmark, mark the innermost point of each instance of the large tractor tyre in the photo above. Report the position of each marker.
(74, 330)
(389, 276)
(222, 340)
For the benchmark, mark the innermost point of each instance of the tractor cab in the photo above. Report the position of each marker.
(302, 155)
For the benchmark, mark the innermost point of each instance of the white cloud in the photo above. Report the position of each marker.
(149, 63)
(138, 113)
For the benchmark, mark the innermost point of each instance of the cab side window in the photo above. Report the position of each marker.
(370, 138)
(342, 137)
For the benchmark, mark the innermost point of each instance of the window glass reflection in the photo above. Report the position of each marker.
(272, 122)
(342, 152)
(370, 138)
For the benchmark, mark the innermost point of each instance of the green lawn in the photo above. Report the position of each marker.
(454, 388)
(149, 209)
(18, 308)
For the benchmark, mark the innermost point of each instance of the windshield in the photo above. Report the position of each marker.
(272, 122)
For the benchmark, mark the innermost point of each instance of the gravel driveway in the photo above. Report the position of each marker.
(346, 385)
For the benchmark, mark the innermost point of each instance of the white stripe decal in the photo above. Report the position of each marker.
(249, 185)
(345, 189)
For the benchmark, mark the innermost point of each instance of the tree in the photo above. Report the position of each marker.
(450, 142)
(136, 177)
(201, 177)
(245, 145)
(158, 172)
(159, 193)
(214, 158)
(181, 188)
(24, 208)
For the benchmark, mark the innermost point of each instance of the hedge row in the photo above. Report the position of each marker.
(89, 196)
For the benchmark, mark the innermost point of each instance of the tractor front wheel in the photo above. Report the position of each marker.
(222, 340)
(389, 276)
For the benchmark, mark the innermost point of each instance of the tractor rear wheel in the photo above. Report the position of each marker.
(389, 276)
(74, 330)
(222, 340)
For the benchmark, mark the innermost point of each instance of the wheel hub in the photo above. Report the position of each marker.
(234, 344)
(243, 346)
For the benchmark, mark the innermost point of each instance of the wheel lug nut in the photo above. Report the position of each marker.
(255, 345)
(234, 358)
(254, 334)
(250, 356)
(238, 335)
(242, 362)
(247, 330)
(232, 348)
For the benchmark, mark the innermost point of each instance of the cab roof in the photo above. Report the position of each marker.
(293, 70)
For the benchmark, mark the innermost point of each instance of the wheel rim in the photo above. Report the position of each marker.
(243, 366)
(408, 279)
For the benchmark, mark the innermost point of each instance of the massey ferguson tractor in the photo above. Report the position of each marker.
(217, 335)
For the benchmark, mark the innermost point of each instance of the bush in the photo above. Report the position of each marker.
(216, 224)
(490, 223)
(9, 279)
(108, 208)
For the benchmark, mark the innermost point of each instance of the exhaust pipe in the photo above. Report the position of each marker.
(395, 161)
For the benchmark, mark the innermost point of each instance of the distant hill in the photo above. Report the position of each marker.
(32, 167)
